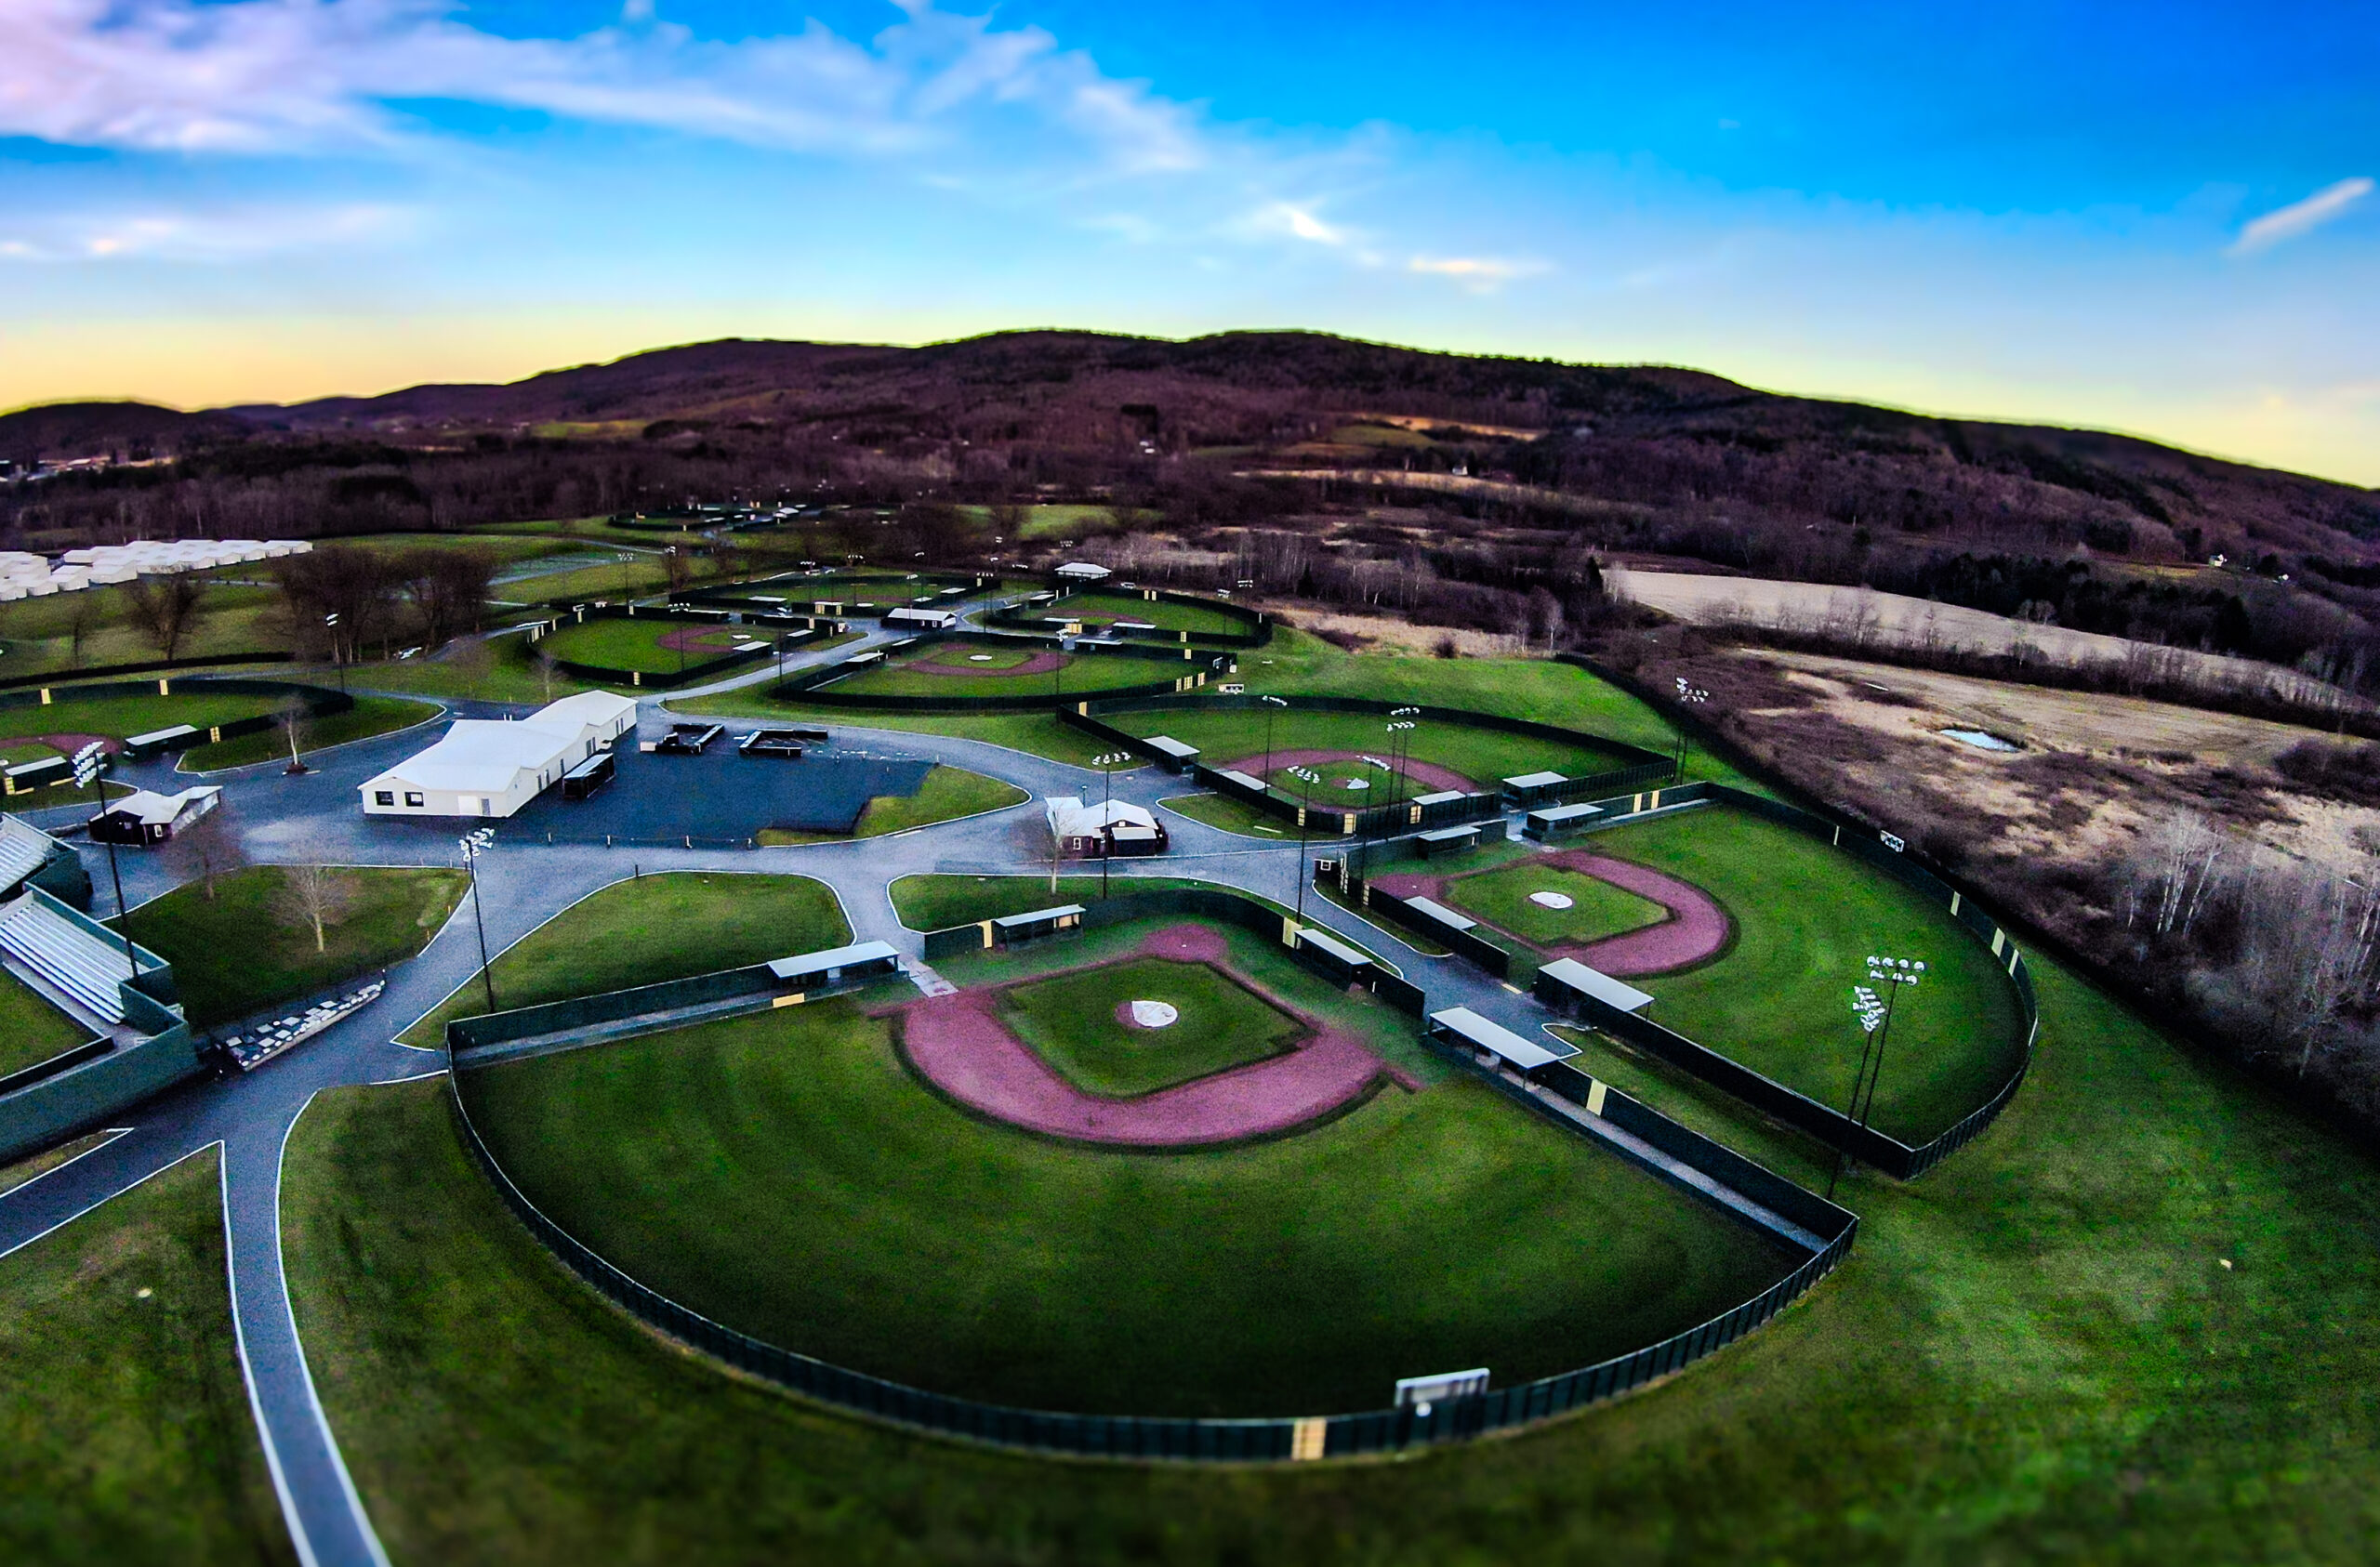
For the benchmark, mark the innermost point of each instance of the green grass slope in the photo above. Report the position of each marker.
(124, 1429)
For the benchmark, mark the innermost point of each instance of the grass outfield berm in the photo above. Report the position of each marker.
(787, 1174)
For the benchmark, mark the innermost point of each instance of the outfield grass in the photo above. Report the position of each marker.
(1071, 1020)
(117, 718)
(371, 716)
(948, 792)
(647, 929)
(1599, 909)
(2034, 1354)
(31, 1029)
(124, 1429)
(1806, 918)
(236, 954)
(1101, 609)
(1079, 675)
(785, 1173)
(1483, 756)
(635, 644)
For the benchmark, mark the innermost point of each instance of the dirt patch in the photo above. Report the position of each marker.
(958, 1044)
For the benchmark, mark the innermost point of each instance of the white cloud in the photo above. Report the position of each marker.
(296, 76)
(1480, 274)
(238, 234)
(2300, 218)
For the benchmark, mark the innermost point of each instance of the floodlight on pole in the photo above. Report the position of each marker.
(1897, 974)
(1272, 705)
(1106, 764)
(90, 765)
(1304, 777)
(474, 845)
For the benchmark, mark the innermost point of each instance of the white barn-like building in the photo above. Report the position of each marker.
(490, 768)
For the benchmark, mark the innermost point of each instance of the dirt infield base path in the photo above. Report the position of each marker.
(934, 663)
(1429, 774)
(959, 1045)
(1696, 927)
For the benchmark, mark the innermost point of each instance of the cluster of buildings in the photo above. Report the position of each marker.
(24, 575)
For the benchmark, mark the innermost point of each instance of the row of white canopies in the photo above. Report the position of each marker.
(24, 575)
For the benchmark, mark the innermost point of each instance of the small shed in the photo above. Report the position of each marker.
(1532, 788)
(1563, 982)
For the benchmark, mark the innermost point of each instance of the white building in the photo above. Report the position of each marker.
(920, 620)
(1089, 830)
(488, 768)
(144, 817)
(1083, 571)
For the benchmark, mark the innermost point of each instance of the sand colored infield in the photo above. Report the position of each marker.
(1427, 773)
(1696, 927)
(960, 1044)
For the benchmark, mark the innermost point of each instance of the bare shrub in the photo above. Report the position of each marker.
(315, 897)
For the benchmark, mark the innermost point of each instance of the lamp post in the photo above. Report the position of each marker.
(1893, 973)
(1305, 778)
(1106, 763)
(474, 845)
(1688, 695)
(90, 766)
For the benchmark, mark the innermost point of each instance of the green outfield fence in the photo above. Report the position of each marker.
(107, 671)
(812, 686)
(1271, 1440)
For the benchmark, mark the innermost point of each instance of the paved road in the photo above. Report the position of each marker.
(314, 817)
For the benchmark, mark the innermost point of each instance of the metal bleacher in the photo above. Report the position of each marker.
(82, 966)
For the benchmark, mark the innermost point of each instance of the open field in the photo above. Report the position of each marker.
(652, 646)
(1598, 909)
(118, 717)
(1072, 1021)
(647, 929)
(237, 955)
(31, 1029)
(1779, 1000)
(369, 716)
(1096, 609)
(1076, 674)
(125, 1432)
(2034, 1354)
(1480, 756)
(36, 636)
(785, 1173)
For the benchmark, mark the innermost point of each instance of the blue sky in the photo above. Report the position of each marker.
(2155, 218)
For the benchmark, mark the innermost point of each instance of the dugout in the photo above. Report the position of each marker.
(1563, 984)
(1032, 924)
(1462, 1027)
(1558, 822)
(1447, 840)
(836, 965)
(1532, 788)
(1331, 957)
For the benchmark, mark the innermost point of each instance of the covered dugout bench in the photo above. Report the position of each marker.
(1462, 1029)
(1559, 822)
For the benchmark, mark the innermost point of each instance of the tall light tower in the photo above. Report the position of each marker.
(474, 845)
(1107, 764)
(1306, 778)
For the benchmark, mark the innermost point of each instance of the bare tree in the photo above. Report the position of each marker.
(680, 565)
(81, 619)
(547, 667)
(318, 896)
(448, 588)
(166, 609)
(206, 851)
(296, 722)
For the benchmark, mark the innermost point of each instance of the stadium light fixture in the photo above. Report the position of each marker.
(475, 844)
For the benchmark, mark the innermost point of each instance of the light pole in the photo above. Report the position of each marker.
(331, 620)
(474, 845)
(1305, 778)
(90, 767)
(1106, 764)
(1688, 695)
(1894, 972)
(1272, 705)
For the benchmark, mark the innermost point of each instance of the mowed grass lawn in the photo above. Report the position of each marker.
(1806, 918)
(1071, 1020)
(1597, 908)
(371, 716)
(31, 1029)
(2032, 1354)
(647, 929)
(124, 1429)
(121, 717)
(1483, 756)
(635, 644)
(235, 954)
(786, 1174)
(948, 792)
(1079, 675)
(1103, 608)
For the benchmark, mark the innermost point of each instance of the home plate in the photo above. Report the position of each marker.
(979, 658)
(1355, 783)
(1551, 900)
(1154, 1014)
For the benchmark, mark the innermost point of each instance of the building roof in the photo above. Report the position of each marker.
(1525, 1054)
(1084, 570)
(588, 707)
(1438, 912)
(1535, 780)
(1565, 812)
(1070, 818)
(482, 756)
(1595, 983)
(154, 810)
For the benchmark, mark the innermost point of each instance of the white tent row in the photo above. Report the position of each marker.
(24, 575)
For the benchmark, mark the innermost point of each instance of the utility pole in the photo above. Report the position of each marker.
(475, 845)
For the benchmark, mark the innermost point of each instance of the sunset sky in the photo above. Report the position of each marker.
(2158, 218)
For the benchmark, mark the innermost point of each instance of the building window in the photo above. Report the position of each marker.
(413, 798)
(384, 797)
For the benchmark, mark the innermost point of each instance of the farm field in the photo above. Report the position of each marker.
(647, 929)
(1922, 1404)
(236, 953)
(943, 669)
(125, 1431)
(785, 1173)
(1779, 1000)
(31, 1029)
